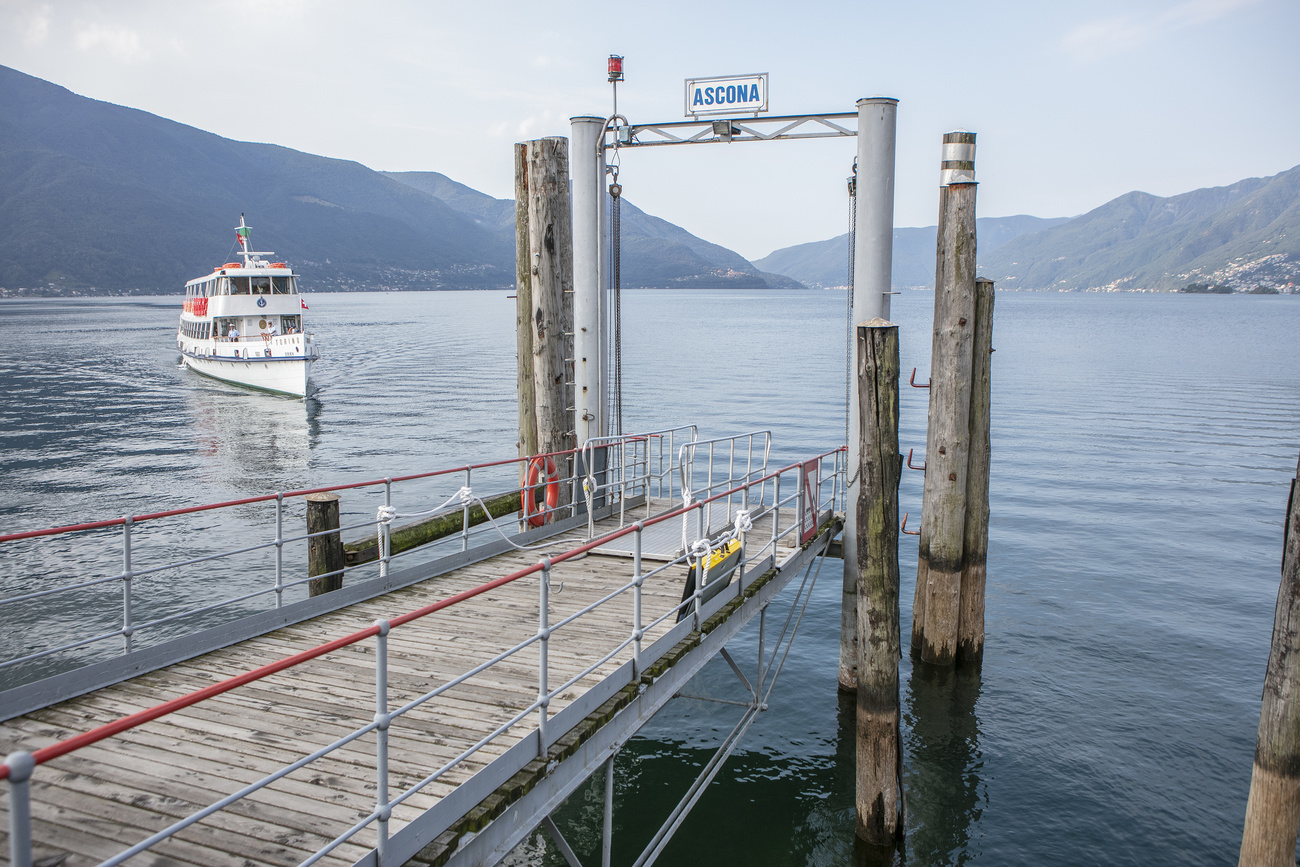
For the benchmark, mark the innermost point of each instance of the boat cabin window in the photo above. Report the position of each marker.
(283, 285)
(238, 285)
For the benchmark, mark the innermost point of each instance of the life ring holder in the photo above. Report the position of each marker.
(541, 470)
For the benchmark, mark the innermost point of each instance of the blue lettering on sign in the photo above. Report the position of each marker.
(725, 95)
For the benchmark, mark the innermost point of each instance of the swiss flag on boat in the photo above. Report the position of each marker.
(304, 304)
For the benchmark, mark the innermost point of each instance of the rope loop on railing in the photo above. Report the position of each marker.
(700, 549)
(386, 514)
(743, 522)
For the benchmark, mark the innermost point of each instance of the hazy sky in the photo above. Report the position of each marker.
(1074, 102)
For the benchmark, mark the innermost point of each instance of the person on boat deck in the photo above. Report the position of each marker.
(266, 333)
(233, 333)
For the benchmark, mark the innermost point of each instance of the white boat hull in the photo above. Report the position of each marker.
(291, 376)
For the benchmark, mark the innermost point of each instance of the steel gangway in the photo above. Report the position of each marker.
(440, 705)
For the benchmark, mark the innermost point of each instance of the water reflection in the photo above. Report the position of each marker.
(251, 442)
(945, 792)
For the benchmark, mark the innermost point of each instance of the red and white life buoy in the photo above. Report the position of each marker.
(541, 471)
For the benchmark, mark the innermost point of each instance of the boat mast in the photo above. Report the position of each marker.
(243, 231)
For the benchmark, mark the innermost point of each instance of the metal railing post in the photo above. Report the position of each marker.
(708, 492)
(776, 513)
(382, 722)
(127, 629)
(464, 516)
(637, 632)
(21, 764)
(800, 502)
(835, 484)
(385, 531)
(279, 550)
(731, 476)
(762, 627)
(544, 632)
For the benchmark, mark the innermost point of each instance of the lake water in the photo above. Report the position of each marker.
(1142, 449)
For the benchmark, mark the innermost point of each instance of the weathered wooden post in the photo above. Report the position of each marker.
(943, 511)
(879, 754)
(970, 623)
(524, 312)
(544, 277)
(324, 552)
(1273, 807)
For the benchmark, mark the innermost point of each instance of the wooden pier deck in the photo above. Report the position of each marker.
(95, 802)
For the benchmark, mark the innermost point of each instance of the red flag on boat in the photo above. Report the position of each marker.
(242, 235)
(304, 304)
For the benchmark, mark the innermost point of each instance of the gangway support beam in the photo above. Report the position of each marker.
(510, 814)
(872, 265)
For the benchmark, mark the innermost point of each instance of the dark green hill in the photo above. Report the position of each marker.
(825, 263)
(656, 253)
(1241, 235)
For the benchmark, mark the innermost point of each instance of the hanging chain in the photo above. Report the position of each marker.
(849, 372)
(616, 289)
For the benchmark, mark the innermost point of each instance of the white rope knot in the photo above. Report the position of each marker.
(743, 522)
(700, 548)
(465, 495)
(386, 514)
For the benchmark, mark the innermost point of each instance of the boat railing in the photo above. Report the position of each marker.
(808, 488)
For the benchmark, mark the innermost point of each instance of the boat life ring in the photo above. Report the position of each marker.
(541, 470)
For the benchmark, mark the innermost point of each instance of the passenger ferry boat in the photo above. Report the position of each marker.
(243, 324)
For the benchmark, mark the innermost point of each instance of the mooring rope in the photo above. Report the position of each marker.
(462, 499)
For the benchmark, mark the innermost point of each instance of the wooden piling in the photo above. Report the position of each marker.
(544, 247)
(923, 540)
(975, 545)
(879, 785)
(524, 312)
(324, 552)
(1273, 806)
(943, 510)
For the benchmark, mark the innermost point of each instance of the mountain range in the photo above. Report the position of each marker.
(823, 264)
(102, 198)
(1244, 236)
(96, 197)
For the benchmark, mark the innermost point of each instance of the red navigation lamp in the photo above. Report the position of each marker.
(615, 67)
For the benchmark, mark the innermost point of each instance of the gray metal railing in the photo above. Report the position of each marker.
(801, 481)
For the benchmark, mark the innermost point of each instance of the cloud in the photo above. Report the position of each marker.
(1096, 40)
(37, 30)
(121, 43)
